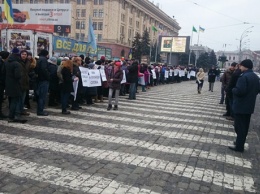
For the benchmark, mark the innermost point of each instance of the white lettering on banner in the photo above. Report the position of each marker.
(124, 78)
(166, 74)
(103, 74)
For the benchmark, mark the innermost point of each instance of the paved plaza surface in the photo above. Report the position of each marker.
(169, 140)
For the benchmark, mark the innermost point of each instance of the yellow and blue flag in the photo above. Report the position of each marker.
(91, 36)
(9, 11)
(202, 29)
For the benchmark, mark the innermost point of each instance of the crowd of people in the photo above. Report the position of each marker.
(54, 78)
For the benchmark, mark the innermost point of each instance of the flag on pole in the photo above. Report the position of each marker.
(91, 36)
(9, 11)
(202, 29)
(154, 29)
(194, 29)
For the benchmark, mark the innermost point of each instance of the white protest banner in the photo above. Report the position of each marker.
(193, 73)
(124, 78)
(75, 88)
(170, 72)
(166, 74)
(181, 73)
(188, 75)
(84, 76)
(176, 71)
(154, 74)
(103, 75)
(141, 81)
(94, 78)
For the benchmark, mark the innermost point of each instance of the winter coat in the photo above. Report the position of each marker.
(132, 76)
(212, 75)
(67, 84)
(77, 73)
(13, 86)
(42, 69)
(25, 75)
(245, 92)
(54, 80)
(226, 78)
(2, 73)
(117, 78)
(232, 83)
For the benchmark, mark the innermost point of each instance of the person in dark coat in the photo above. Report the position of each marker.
(244, 98)
(231, 85)
(66, 85)
(212, 77)
(4, 55)
(13, 87)
(42, 82)
(114, 79)
(132, 78)
(54, 82)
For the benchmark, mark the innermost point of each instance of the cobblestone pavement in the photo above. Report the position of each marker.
(169, 140)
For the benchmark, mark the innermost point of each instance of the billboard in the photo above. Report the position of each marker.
(174, 44)
(39, 17)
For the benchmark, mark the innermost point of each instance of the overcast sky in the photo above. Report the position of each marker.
(223, 20)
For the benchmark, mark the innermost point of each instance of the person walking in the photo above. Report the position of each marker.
(212, 77)
(114, 79)
(200, 79)
(244, 99)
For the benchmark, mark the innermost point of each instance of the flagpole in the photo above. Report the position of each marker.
(198, 37)
(156, 50)
(190, 46)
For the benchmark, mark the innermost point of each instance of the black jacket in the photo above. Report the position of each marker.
(132, 76)
(232, 83)
(67, 85)
(42, 69)
(212, 75)
(13, 86)
(2, 73)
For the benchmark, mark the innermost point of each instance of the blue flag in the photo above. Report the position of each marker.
(92, 44)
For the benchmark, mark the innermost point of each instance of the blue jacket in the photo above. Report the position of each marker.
(245, 92)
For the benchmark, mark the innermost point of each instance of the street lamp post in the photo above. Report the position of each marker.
(243, 35)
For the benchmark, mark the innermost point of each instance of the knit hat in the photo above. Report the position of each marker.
(4, 54)
(103, 58)
(233, 64)
(118, 64)
(53, 60)
(15, 51)
(247, 63)
(43, 53)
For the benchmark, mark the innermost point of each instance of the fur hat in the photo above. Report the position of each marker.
(15, 51)
(43, 53)
(53, 60)
(247, 63)
(4, 54)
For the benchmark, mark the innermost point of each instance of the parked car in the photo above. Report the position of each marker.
(19, 16)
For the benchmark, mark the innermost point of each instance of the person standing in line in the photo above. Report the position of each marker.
(244, 98)
(212, 77)
(43, 82)
(13, 87)
(4, 55)
(132, 78)
(114, 79)
(200, 79)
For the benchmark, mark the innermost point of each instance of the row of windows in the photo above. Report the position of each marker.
(81, 36)
(98, 13)
(98, 2)
(96, 25)
(79, 2)
(81, 13)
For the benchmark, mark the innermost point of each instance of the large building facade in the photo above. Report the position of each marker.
(115, 22)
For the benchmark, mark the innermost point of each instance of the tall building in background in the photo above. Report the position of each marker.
(115, 22)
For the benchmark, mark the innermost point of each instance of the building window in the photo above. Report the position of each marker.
(123, 17)
(130, 21)
(83, 25)
(21, 1)
(138, 13)
(99, 37)
(137, 24)
(95, 13)
(67, 1)
(95, 2)
(229, 58)
(122, 30)
(82, 36)
(129, 33)
(78, 2)
(123, 4)
(100, 13)
(77, 36)
(78, 13)
(100, 25)
(132, 9)
(234, 58)
(61, 1)
(51, 2)
(34, 1)
(101, 2)
(94, 25)
(77, 24)
(83, 13)
(83, 2)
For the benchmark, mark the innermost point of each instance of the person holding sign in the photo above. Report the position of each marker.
(114, 79)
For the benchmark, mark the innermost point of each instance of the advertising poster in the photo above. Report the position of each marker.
(39, 17)
(22, 39)
(174, 44)
(43, 41)
(3, 40)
